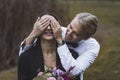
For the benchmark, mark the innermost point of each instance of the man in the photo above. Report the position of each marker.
(79, 31)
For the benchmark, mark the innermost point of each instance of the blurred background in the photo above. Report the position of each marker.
(18, 16)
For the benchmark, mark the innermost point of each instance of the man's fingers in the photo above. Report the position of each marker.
(40, 24)
(45, 25)
(55, 25)
(38, 18)
(42, 21)
(52, 26)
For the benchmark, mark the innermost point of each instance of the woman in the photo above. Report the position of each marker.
(44, 53)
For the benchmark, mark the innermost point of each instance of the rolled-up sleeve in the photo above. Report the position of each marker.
(24, 47)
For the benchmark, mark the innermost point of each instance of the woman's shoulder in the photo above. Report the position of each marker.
(28, 52)
(32, 53)
(25, 55)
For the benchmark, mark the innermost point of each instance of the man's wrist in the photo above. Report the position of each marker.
(29, 40)
(60, 42)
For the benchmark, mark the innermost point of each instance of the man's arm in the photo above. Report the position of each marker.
(57, 31)
(24, 47)
(38, 28)
(82, 62)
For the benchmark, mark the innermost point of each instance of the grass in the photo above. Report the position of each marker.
(10, 74)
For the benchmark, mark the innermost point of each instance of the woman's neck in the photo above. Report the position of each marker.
(48, 47)
(49, 52)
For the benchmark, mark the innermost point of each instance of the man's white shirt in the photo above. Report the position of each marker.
(87, 50)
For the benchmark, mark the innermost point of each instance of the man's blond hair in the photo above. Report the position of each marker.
(89, 23)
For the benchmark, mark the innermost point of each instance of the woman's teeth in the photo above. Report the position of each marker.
(48, 32)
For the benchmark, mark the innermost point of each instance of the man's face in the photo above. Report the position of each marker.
(74, 32)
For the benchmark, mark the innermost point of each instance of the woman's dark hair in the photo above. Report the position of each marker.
(49, 13)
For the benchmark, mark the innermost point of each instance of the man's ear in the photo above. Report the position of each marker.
(86, 36)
